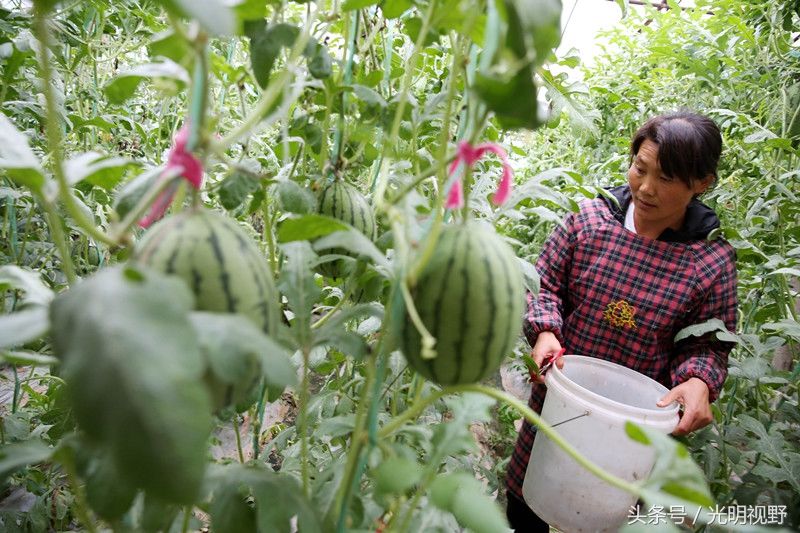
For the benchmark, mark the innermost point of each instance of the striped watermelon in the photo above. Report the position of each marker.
(343, 202)
(223, 267)
(470, 297)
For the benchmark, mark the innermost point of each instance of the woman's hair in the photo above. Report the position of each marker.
(689, 144)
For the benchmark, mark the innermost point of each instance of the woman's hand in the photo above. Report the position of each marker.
(692, 394)
(546, 344)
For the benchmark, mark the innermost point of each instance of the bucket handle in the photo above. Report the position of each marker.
(585, 413)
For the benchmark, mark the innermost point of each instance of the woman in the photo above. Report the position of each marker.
(622, 277)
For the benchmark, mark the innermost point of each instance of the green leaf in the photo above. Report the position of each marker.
(774, 446)
(230, 512)
(169, 45)
(133, 368)
(465, 497)
(354, 241)
(292, 198)
(17, 158)
(319, 59)
(24, 326)
(369, 96)
(21, 454)
(350, 5)
(131, 192)
(752, 368)
(214, 15)
(28, 281)
(107, 492)
(157, 515)
(623, 6)
(296, 282)
(674, 472)
(247, 10)
(711, 325)
(396, 475)
(787, 326)
(97, 169)
(239, 355)
(27, 358)
(510, 99)
(392, 9)
(308, 227)
(124, 85)
(337, 426)
(334, 332)
(530, 277)
(235, 188)
(278, 498)
(265, 45)
(96, 121)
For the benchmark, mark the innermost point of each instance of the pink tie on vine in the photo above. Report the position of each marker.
(470, 155)
(191, 171)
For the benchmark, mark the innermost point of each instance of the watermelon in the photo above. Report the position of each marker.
(224, 269)
(343, 202)
(470, 297)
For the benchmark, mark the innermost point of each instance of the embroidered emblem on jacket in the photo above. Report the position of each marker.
(620, 314)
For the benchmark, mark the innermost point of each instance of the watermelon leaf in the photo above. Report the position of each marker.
(277, 499)
(239, 353)
(296, 282)
(133, 369)
(308, 227)
(464, 496)
(21, 454)
(353, 241)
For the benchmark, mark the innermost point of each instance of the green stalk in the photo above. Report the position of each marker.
(59, 239)
(349, 55)
(54, 134)
(259, 416)
(271, 93)
(81, 507)
(390, 142)
(15, 397)
(428, 341)
(187, 515)
(269, 237)
(303, 422)
(415, 410)
(238, 438)
(357, 439)
(11, 217)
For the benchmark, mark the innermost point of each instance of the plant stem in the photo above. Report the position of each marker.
(349, 55)
(259, 415)
(391, 142)
(524, 410)
(187, 515)
(356, 444)
(303, 422)
(59, 239)
(53, 132)
(271, 93)
(167, 178)
(81, 507)
(238, 437)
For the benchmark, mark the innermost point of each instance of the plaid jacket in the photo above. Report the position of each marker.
(612, 294)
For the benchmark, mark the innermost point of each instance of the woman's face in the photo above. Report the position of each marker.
(660, 201)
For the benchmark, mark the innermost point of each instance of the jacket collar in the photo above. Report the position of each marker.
(698, 223)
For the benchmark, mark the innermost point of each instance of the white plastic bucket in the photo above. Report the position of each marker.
(588, 402)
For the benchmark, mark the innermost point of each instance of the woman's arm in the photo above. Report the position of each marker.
(543, 318)
(701, 365)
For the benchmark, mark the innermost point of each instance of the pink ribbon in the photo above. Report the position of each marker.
(191, 170)
(470, 155)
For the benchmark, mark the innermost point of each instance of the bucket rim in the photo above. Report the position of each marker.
(661, 413)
